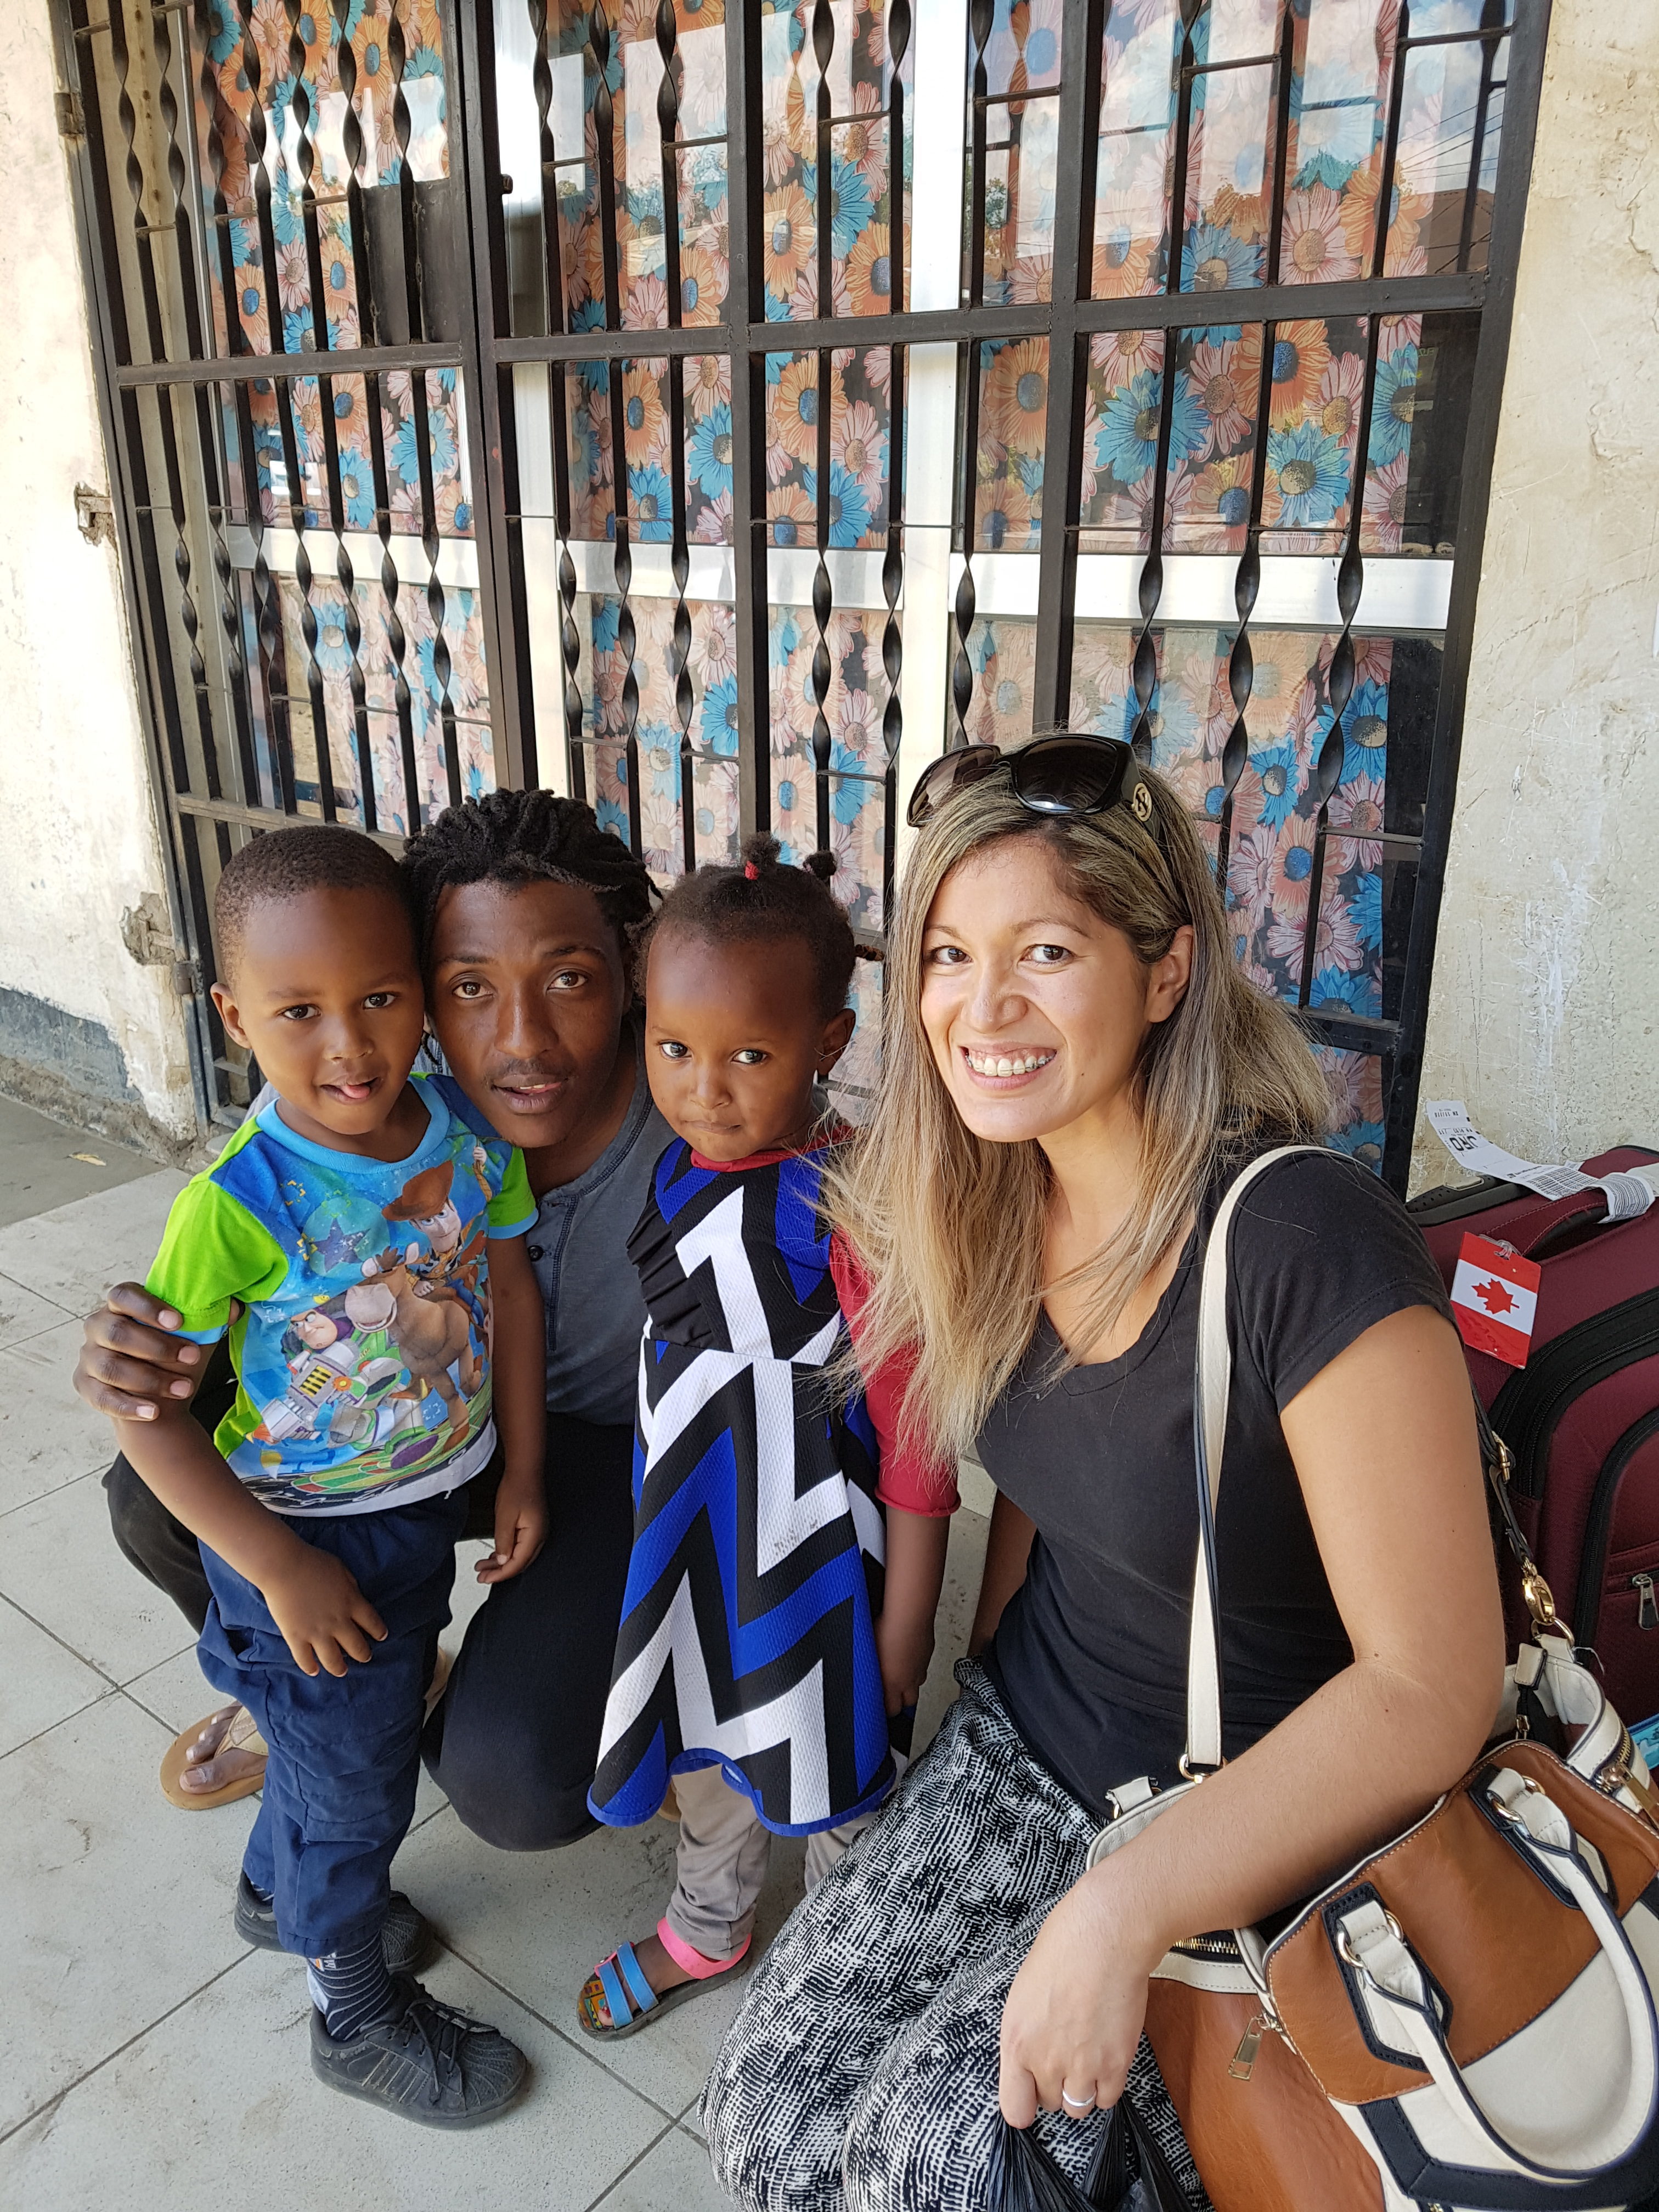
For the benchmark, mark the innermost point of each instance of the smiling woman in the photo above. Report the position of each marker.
(1074, 1072)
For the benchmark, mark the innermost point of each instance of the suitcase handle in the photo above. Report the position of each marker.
(1533, 1234)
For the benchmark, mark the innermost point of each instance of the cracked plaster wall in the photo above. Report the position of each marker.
(83, 1028)
(1544, 1012)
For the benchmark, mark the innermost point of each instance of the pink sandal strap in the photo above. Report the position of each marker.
(701, 1968)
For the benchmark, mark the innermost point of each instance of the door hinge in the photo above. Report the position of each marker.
(72, 122)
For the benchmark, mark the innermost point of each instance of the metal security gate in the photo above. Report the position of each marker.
(715, 411)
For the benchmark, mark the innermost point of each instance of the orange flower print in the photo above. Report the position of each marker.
(870, 271)
(1016, 396)
(1342, 392)
(643, 418)
(1123, 250)
(1301, 353)
(787, 234)
(796, 419)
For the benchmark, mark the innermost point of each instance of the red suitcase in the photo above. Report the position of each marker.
(1581, 1418)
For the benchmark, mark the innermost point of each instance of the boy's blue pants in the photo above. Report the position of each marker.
(344, 1750)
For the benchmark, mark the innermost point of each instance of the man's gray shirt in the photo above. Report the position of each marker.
(579, 1248)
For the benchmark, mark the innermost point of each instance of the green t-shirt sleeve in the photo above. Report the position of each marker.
(513, 1209)
(213, 1250)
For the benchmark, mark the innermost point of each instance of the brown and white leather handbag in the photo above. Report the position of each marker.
(1466, 2019)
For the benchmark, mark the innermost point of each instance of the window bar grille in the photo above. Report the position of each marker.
(1078, 99)
(302, 577)
(354, 146)
(177, 178)
(679, 651)
(218, 250)
(557, 402)
(892, 567)
(397, 54)
(230, 601)
(390, 585)
(749, 523)
(974, 362)
(599, 45)
(127, 115)
(267, 618)
(300, 107)
(1247, 578)
(420, 400)
(1350, 575)
(346, 576)
(824, 47)
(188, 617)
(1492, 24)
(258, 141)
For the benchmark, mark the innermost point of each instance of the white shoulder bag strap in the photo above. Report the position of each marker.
(1213, 1381)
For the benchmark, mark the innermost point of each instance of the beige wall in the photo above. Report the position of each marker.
(77, 1014)
(1545, 1015)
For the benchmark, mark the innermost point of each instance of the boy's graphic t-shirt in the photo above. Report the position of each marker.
(363, 1352)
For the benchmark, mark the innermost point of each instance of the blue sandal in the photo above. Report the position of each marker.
(621, 1984)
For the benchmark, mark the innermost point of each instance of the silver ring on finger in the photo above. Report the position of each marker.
(1078, 2103)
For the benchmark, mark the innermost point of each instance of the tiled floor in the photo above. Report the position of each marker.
(147, 2058)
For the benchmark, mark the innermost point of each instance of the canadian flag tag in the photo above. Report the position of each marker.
(1494, 1297)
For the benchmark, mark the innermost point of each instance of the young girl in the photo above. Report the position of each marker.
(771, 1624)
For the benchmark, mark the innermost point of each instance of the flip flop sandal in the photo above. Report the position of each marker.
(241, 1736)
(637, 2004)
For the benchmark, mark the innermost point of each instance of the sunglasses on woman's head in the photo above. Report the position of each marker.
(1058, 775)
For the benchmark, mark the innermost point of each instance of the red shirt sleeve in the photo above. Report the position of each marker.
(909, 1480)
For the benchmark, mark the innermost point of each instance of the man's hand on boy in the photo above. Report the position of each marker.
(520, 1528)
(324, 1618)
(131, 1362)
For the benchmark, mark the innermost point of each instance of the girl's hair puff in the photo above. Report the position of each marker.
(760, 900)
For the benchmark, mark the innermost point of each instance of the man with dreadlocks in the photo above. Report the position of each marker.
(526, 912)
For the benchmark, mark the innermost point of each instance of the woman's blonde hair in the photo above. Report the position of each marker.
(951, 1228)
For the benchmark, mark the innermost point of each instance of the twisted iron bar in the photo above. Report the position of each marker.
(679, 648)
(599, 44)
(391, 586)
(824, 47)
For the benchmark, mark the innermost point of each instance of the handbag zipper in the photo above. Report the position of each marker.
(1528, 1407)
(1598, 1528)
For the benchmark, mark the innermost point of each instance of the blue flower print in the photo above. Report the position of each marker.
(849, 205)
(426, 61)
(849, 799)
(426, 658)
(782, 637)
(1126, 442)
(787, 795)
(607, 617)
(612, 817)
(709, 456)
(1393, 406)
(1361, 1140)
(227, 34)
(357, 488)
(1365, 732)
(1312, 474)
(404, 453)
(718, 723)
(1366, 908)
(850, 504)
(1275, 766)
(652, 497)
(1334, 991)
(1215, 259)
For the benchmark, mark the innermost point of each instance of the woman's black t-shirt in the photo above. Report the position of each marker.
(1091, 1653)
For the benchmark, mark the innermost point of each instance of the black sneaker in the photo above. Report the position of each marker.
(431, 2062)
(408, 1936)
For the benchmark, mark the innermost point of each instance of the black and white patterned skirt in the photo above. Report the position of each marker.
(861, 2075)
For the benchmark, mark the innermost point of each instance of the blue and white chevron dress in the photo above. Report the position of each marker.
(746, 1638)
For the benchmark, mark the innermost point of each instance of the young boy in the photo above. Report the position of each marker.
(362, 1236)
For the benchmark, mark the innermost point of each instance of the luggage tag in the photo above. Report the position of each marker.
(1495, 1298)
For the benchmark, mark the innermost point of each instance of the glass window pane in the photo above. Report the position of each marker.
(1140, 51)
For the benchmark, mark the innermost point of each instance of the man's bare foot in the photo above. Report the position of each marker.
(227, 1748)
(660, 1970)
